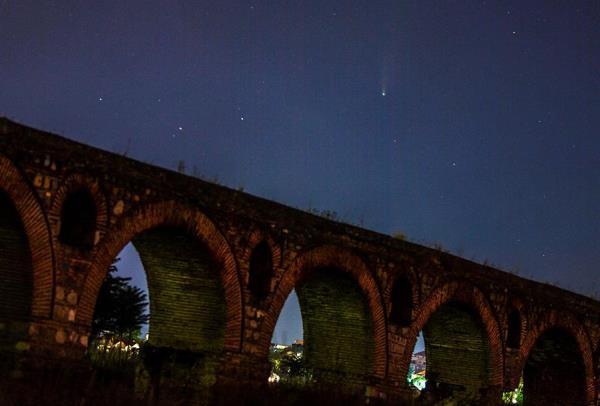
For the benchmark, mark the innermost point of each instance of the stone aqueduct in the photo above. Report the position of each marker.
(220, 264)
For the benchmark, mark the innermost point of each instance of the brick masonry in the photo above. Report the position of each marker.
(15, 288)
(338, 330)
(187, 302)
(343, 274)
(456, 349)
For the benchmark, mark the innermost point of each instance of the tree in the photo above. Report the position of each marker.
(120, 308)
(293, 364)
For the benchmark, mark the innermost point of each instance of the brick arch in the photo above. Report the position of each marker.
(346, 261)
(412, 278)
(37, 231)
(466, 294)
(256, 237)
(517, 304)
(404, 269)
(168, 214)
(569, 324)
(74, 182)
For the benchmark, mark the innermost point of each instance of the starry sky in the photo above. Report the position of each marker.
(471, 125)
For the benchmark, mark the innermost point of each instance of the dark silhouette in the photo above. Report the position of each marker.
(120, 309)
(78, 219)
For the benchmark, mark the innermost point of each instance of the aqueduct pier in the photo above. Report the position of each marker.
(220, 264)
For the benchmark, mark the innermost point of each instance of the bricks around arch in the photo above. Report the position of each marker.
(37, 169)
(38, 235)
(255, 237)
(568, 322)
(344, 260)
(464, 293)
(410, 275)
(168, 214)
(71, 183)
(517, 304)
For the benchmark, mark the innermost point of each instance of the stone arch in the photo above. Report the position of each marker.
(515, 306)
(472, 298)
(402, 299)
(256, 237)
(37, 231)
(79, 184)
(348, 263)
(560, 320)
(169, 214)
(261, 244)
(15, 272)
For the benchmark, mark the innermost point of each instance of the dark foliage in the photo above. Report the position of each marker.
(120, 309)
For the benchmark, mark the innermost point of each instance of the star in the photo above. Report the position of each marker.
(242, 118)
(383, 92)
(180, 128)
(99, 99)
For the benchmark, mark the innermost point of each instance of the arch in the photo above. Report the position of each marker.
(337, 325)
(38, 235)
(169, 214)
(471, 297)
(79, 191)
(565, 321)
(256, 237)
(260, 270)
(402, 302)
(15, 266)
(347, 262)
(187, 301)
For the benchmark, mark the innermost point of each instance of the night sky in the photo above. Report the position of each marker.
(473, 125)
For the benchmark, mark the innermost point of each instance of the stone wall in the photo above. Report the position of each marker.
(554, 365)
(187, 303)
(338, 329)
(15, 277)
(39, 171)
(457, 351)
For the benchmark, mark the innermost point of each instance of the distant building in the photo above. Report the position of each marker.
(298, 346)
(418, 362)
